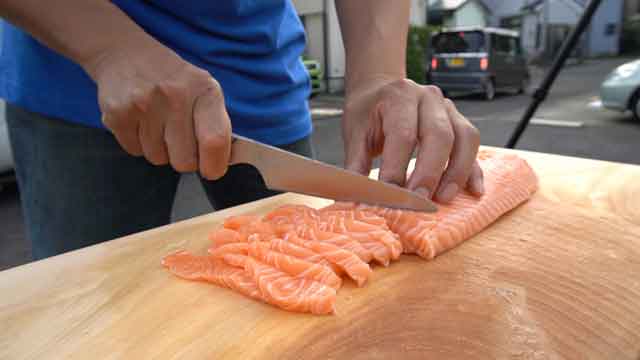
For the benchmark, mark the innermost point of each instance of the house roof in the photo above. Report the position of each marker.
(534, 3)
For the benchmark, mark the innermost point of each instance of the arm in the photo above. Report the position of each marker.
(83, 31)
(155, 103)
(389, 115)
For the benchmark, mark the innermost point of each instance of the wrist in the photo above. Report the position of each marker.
(123, 53)
(356, 84)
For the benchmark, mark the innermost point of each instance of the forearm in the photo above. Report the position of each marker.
(85, 31)
(375, 37)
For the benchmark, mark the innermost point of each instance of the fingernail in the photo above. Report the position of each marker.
(448, 192)
(478, 185)
(424, 192)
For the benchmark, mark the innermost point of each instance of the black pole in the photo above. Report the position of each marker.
(541, 92)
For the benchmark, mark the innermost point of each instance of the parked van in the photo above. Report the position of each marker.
(477, 60)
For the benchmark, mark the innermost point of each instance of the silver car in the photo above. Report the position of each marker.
(621, 89)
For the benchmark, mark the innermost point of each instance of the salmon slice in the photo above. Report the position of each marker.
(293, 294)
(293, 266)
(247, 225)
(358, 270)
(508, 180)
(300, 252)
(377, 240)
(342, 241)
(223, 236)
(366, 231)
(206, 268)
(231, 248)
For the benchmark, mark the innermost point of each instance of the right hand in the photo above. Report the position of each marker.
(165, 109)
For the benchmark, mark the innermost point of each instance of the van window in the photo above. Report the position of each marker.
(459, 42)
(506, 45)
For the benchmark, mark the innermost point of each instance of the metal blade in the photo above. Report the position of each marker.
(285, 171)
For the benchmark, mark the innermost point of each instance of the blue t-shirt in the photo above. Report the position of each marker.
(252, 48)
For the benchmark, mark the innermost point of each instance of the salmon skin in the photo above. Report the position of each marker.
(295, 256)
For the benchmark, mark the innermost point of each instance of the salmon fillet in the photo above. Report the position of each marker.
(508, 180)
(293, 257)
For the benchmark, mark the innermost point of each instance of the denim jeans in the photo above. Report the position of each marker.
(78, 187)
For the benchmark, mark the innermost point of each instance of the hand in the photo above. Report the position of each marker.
(396, 117)
(162, 107)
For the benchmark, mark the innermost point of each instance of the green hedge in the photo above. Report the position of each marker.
(417, 45)
(630, 37)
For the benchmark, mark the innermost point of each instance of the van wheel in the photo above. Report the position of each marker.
(524, 85)
(489, 90)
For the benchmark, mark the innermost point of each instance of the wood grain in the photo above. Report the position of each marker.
(556, 278)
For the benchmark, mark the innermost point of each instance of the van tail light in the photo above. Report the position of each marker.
(434, 64)
(484, 63)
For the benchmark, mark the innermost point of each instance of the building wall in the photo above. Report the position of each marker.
(324, 39)
(336, 57)
(604, 31)
(469, 14)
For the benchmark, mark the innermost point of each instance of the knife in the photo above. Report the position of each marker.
(289, 172)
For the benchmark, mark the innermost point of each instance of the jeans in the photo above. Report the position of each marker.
(78, 187)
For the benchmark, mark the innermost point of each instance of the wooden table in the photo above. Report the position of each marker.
(557, 278)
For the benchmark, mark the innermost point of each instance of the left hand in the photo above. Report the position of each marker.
(395, 117)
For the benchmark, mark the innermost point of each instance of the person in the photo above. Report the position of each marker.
(108, 102)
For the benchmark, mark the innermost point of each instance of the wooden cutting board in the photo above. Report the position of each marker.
(557, 278)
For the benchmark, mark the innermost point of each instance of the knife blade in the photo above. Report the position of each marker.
(289, 172)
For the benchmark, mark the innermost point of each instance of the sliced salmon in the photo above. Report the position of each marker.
(293, 294)
(293, 266)
(378, 240)
(241, 248)
(223, 236)
(358, 270)
(206, 268)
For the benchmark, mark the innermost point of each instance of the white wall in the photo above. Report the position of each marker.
(418, 12)
(469, 14)
(564, 12)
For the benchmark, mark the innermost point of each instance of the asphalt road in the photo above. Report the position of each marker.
(590, 132)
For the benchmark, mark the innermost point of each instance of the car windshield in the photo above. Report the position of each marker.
(459, 42)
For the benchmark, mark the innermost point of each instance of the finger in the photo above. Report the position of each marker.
(151, 135)
(476, 180)
(357, 156)
(180, 134)
(463, 155)
(435, 136)
(213, 133)
(400, 126)
(125, 132)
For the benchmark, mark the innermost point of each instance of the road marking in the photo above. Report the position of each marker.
(595, 104)
(329, 112)
(558, 123)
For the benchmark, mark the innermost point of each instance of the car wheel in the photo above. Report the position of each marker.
(635, 106)
(489, 90)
